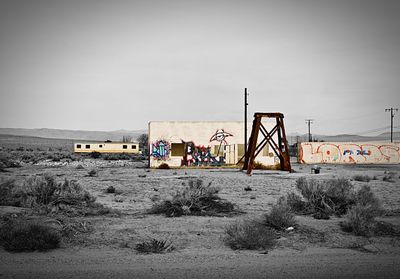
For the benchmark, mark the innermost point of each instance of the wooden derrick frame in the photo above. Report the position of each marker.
(280, 149)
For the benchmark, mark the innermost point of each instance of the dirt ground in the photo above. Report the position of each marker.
(107, 252)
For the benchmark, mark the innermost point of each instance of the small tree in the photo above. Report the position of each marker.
(143, 140)
(126, 139)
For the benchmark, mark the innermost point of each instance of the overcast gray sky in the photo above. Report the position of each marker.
(108, 65)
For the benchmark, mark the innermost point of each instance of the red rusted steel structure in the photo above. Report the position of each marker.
(280, 148)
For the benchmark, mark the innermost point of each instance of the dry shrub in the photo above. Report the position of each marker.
(323, 198)
(117, 156)
(164, 166)
(80, 167)
(45, 194)
(154, 246)
(95, 155)
(280, 217)
(388, 178)
(195, 199)
(362, 178)
(18, 236)
(110, 190)
(6, 161)
(360, 218)
(6, 193)
(73, 230)
(92, 173)
(249, 234)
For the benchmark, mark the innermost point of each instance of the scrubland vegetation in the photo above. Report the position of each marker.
(78, 203)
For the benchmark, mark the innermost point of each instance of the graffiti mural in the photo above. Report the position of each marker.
(220, 136)
(196, 155)
(160, 149)
(356, 153)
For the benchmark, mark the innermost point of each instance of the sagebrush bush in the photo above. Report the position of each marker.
(6, 161)
(117, 156)
(18, 236)
(45, 194)
(95, 155)
(110, 189)
(154, 246)
(92, 173)
(362, 178)
(280, 217)
(360, 218)
(195, 199)
(324, 198)
(164, 166)
(6, 192)
(250, 235)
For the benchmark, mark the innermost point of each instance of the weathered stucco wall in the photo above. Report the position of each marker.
(193, 144)
(349, 153)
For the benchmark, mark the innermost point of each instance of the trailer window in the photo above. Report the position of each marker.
(78, 146)
(87, 146)
(125, 146)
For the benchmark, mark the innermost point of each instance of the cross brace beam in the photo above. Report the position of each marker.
(280, 148)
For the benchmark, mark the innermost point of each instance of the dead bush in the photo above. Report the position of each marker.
(6, 161)
(110, 190)
(324, 198)
(250, 235)
(18, 236)
(154, 246)
(95, 155)
(195, 199)
(360, 219)
(362, 178)
(6, 193)
(92, 173)
(117, 156)
(164, 166)
(280, 217)
(46, 195)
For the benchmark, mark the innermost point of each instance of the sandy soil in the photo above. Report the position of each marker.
(107, 252)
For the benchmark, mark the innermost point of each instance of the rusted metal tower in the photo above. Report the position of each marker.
(280, 148)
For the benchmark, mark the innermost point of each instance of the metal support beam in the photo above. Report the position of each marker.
(280, 149)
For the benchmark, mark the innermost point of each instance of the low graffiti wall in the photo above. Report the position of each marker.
(349, 153)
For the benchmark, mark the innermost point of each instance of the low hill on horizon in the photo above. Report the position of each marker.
(73, 134)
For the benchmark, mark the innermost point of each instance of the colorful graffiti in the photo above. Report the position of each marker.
(356, 153)
(160, 149)
(196, 155)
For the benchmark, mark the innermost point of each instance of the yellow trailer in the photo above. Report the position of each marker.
(107, 147)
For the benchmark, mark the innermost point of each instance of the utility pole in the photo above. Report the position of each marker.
(391, 121)
(245, 119)
(309, 121)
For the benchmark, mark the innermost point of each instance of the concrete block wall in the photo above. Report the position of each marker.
(349, 152)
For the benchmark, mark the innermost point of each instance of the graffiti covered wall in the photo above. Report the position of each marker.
(349, 153)
(199, 144)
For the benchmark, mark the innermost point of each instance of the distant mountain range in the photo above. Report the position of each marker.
(73, 134)
(119, 134)
(345, 137)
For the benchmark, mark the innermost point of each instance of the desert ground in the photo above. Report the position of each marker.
(106, 250)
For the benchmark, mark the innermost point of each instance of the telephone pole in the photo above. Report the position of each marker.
(309, 121)
(245, 119)
(391, 121)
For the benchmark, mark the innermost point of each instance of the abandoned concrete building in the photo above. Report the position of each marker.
(201, 144)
